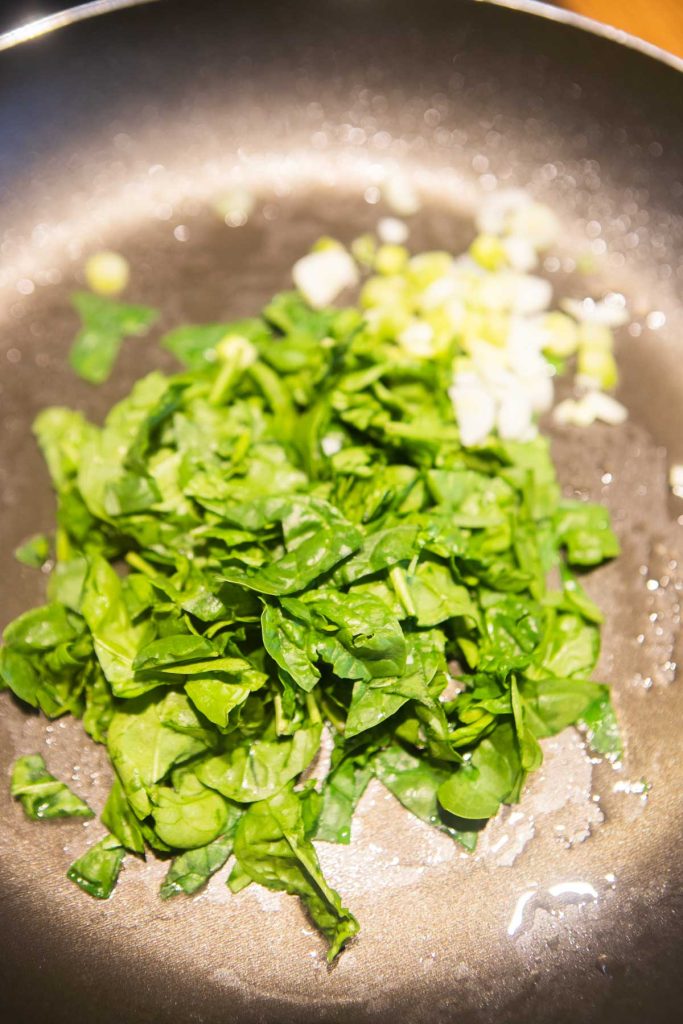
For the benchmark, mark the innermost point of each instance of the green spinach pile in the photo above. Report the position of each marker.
(284, 538)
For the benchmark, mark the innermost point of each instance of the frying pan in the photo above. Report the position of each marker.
(122, 130)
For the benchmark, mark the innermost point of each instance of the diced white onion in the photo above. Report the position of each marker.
(455, 312)
(540, 391)
(321, 276)
(417, 339)
(520, 253)
(392, 231)
(531, 294)
(676, 479)
(495, 209)
(475, 411)
(399, 193)
(331, 445)
(606, 408)
(491, 363)
(514, 416)
(439, 291)
(595, 405)
(584, 382)
(573, 413)
(609, 312)
(535, 223)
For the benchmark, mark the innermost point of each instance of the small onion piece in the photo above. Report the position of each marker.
(321, 276)
(392, 231)
(475, 410)
(609, 312)
(400, 195)
(676, 480)
(107, 273)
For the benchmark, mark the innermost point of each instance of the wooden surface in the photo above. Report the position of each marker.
(658, 21)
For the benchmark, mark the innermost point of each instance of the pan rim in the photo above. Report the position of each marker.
(61, 19)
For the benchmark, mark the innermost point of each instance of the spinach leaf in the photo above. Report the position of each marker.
(344, 786)
(257, 771)
(40, 629)
(288, 643)
(143, 749)
(192, 869)
(585, 531)
(552, 704)
(189, 816)
(272, 849)
(119, 818)
(97, 871)
(436, 597)
(601, 726)
(34, 552)
(115, 637)
(106, 323)
(195, 344)
(306, 563)
(367, 629)
(476, 790)
(42, 796)
(381, 550)
(415, 782)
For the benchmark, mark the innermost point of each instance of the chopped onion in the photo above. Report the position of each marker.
(531, 294)
(598, 364)
(488, 251)
(573, 413)
(540, 391)
(560, 334)
(514, 416)
(606, 408)
(610, 311)
(535, 223)
(676, 480)
(391, 259)
(236, 349)
(321, 276)
(439, 291)
(331, 444)
(475, 411)
(593, 406)
(417, 339)
(520, 253)
(399, 193)
(392, 230)
(107, 273)
(495, 209)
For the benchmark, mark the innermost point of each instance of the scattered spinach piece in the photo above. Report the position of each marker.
(97, 871)
(34, 552)
(42, 796)
(105, 323)
(272, 848)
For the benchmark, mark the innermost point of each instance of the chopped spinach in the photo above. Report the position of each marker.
(287, 537)
(97, 871)
(106, 323)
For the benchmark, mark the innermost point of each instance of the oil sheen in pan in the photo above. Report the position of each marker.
(546, 917)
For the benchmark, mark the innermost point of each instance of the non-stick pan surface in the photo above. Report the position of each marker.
(119, 131)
